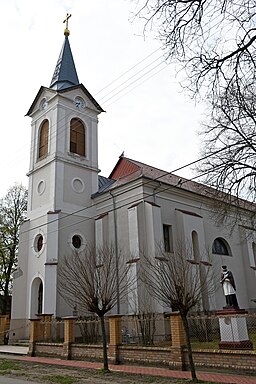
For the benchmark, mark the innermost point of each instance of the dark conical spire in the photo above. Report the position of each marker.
(65, 75)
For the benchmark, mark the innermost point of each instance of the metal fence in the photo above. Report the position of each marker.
(146, 329)
(152, 329)
(88, 330)
(205, 332)
(149, 329)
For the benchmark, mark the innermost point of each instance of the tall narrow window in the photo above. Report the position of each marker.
(168, 241)
(77, 137)
(40, 299)
(43, 139)
(195, 246)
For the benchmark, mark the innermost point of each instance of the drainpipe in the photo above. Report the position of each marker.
(116, 252)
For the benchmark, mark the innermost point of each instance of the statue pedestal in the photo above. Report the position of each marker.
(233, 329)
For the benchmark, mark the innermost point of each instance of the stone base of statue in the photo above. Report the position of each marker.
(233, 329)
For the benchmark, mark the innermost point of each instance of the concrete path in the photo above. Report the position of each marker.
(13, 350)
(7, 380)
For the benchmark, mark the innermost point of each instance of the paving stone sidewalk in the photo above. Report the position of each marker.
(149, 371)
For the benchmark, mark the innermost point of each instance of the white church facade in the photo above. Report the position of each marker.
(136, 207)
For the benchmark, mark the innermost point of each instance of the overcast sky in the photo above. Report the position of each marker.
(147, 114)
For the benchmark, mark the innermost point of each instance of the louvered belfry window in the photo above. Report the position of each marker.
(77, 137)
(43, 139)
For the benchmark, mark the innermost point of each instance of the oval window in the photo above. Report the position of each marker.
(76, 241)
(38, 243)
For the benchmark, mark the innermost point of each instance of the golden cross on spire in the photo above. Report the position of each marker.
(66, 32)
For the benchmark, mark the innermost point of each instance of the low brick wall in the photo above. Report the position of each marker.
(81, 351)
(160, 356)
(146, 355)
(239, 360)
(48, 349)
(174, 356)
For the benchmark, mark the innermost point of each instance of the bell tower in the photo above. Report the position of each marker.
(63, 174)
(63, 169)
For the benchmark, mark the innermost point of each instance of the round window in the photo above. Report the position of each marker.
(38, 243)
(76, 241)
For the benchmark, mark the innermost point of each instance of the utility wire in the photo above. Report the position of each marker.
(62, 130)
(129, 203)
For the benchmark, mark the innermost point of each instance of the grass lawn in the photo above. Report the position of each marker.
(42, 373)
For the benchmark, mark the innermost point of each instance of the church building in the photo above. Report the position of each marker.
(138, 206)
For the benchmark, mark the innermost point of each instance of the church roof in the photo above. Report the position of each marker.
(127, 170)
(65, 74)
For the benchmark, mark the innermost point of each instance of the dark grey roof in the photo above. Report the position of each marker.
(65, 75)
(104, 183)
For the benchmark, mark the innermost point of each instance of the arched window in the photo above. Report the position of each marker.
(77, 137)
(221, 247)
(40, 299)
(43, 139)
(195, 246)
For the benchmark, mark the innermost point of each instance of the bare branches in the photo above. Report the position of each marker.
(232, 127)
(90, 279)
(181, 282)
(214, 42)
(175, 280)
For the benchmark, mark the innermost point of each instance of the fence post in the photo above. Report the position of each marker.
(179, 340)
(4, 327)
(46, 326)
(115, 337)
(34, 335)
(69, 336)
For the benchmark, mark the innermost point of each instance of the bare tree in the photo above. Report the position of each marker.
(214, 43)
(179, 282)
(233, 171)
(95, 279)
(13, 209)
(213, 40)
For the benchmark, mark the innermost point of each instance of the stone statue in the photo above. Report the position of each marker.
(229, 288)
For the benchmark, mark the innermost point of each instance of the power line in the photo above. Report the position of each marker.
(60, 131)
(129, 203)
(127, 71)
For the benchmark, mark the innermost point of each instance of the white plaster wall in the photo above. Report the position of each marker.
(143, 230)
(154, 229)
(133, 232)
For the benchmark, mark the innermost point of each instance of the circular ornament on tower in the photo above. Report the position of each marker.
(78, 185)
(41, 187)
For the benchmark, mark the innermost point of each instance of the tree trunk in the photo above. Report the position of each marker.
(104, 344)
(190, 355)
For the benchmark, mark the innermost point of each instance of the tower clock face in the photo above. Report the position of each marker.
(79, 102)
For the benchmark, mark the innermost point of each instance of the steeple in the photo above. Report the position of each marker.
(65, 75)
